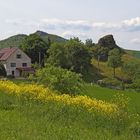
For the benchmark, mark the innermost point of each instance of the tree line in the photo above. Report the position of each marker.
(75, 56)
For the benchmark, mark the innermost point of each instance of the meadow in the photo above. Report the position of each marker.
(107, 94)
(25, 114)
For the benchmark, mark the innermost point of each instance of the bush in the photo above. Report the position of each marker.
(10, 76)
(2, 70)
(136, 84)
(60, 79)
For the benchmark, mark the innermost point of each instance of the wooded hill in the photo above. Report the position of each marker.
(17, 40)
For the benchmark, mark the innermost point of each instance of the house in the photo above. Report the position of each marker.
(15, 61)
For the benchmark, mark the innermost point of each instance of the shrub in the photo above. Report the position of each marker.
(10, 76)
(2, 70)
(136, 84)
(60, 79)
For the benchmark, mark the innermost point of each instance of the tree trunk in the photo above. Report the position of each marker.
(98, 62)
(114, 72)
(39, 59)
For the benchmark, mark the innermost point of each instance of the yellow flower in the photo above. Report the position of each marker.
(39, 92)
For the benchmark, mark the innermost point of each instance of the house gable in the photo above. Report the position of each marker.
(16, 53)
(14, 59)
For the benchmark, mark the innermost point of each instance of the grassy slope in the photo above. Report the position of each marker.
(106, 71)
(14, 41)
(134, 53)
(107, 95)
(20, 119)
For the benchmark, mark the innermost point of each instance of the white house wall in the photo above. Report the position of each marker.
(13, 59)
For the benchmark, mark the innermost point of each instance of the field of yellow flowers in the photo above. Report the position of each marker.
(39, 92)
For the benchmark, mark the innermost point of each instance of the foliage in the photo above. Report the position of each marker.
(17, 40)
(133, 70)
(114, 59)
(89, 43)
(10, 76)
(57, 55)
(2, 70)
(72, 55)
(60, 79)
(100, 53)
(35, 47)
(78, 56)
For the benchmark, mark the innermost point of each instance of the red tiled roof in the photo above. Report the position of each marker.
(5, 53)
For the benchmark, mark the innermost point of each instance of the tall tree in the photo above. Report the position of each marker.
(57, 55)
(98, 53)
(78, 56)
(114, 59)
(72, 55)
(133, 71)
(36, 48)
(89, 43)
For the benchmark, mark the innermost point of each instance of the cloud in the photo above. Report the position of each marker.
(22, 22)
(130, 25)
(135, 41)
(67, 24)
(70, 34)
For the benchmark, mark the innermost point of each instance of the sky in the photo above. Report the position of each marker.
(74, 18)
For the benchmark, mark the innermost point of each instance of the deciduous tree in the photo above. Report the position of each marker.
(114, 59)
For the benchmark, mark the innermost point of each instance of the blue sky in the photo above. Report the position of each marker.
(68, 18)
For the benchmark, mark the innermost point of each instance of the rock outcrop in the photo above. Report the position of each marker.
(108, 42)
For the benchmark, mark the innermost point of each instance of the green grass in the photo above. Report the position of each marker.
(107, 95)
(106, 71)
(134, 53)
(34, 120)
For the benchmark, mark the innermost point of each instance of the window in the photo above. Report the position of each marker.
(18, 56)
(24, 64)
(13, 64)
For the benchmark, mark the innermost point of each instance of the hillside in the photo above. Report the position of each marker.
(16, 40)
(106, 71)
(52, 37)
(27, 116)
(134, 53)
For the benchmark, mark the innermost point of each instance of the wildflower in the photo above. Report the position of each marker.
(39, 92)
